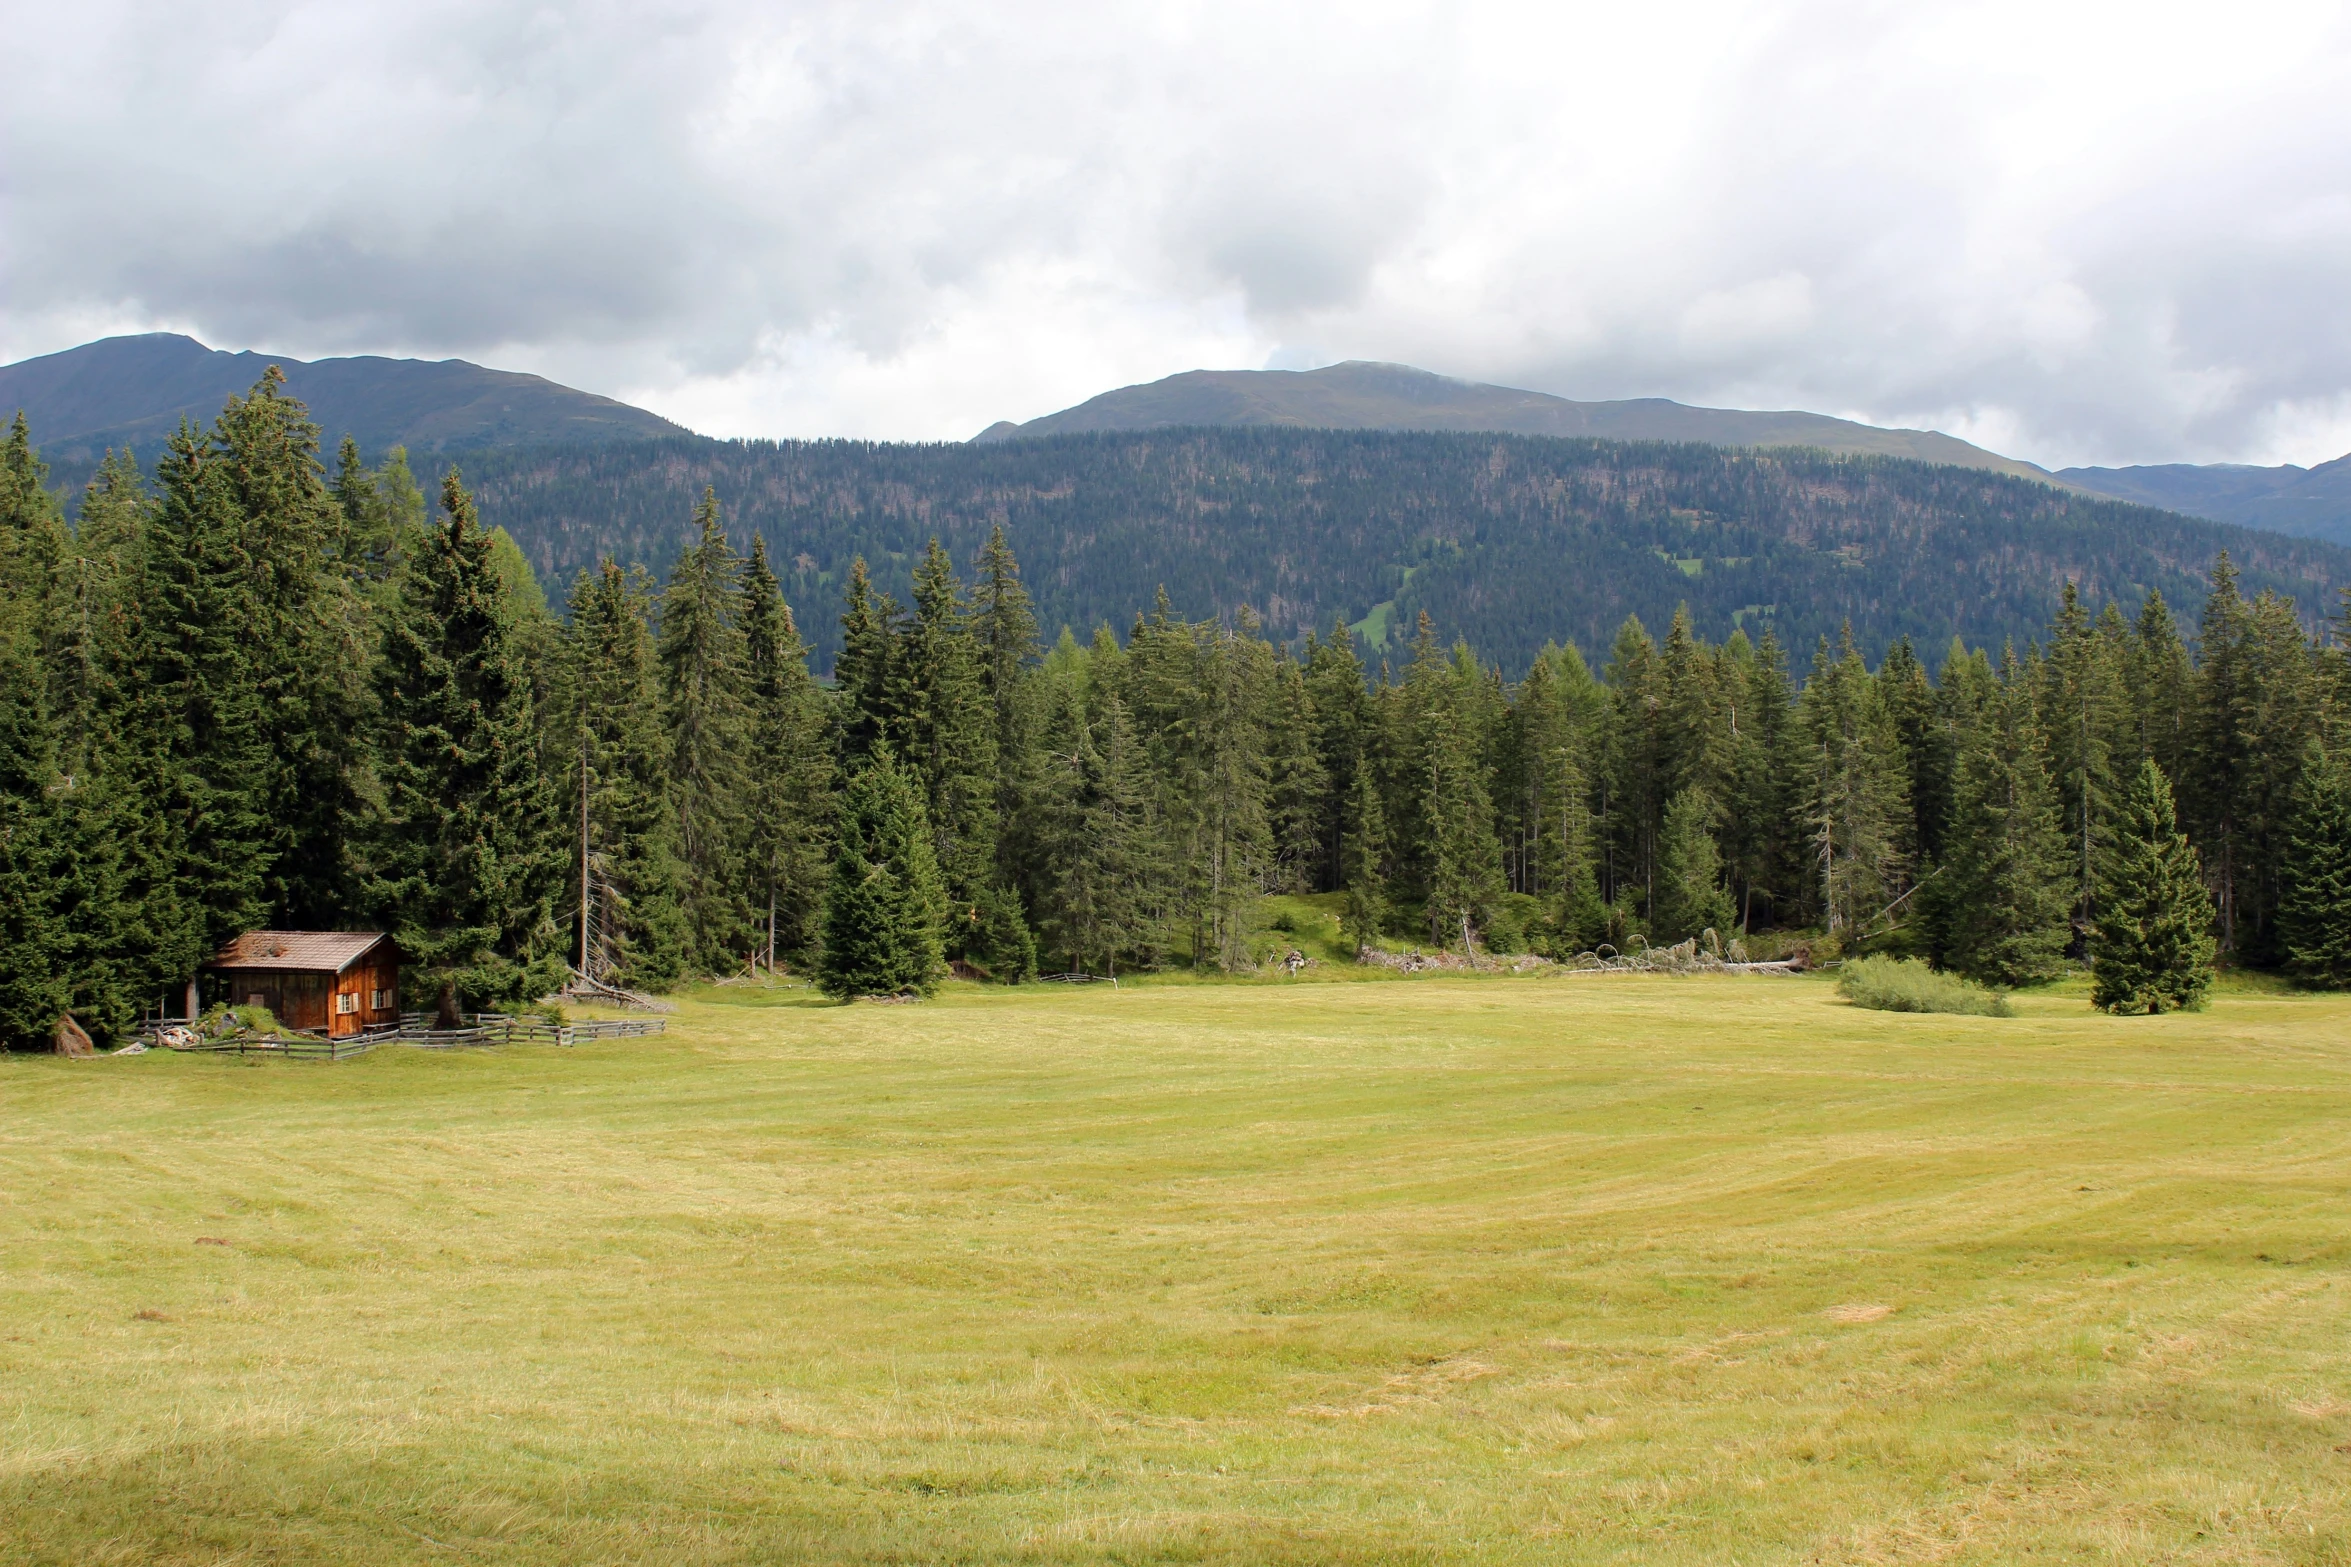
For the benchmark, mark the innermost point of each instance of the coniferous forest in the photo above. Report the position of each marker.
(252, 685)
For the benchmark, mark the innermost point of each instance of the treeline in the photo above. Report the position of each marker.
(1507, 541)
(249, 692)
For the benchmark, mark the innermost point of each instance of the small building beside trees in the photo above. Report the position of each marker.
(332, 982)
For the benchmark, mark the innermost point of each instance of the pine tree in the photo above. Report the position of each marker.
(194, 754)
(1363, 864)
(1465, 883)
(1297, 784)
(885, 904)
(1578, 917)
(1855, 793)
(2314, 908)
(791, 770)
(34, 988)
(870, 626)
(2215, 784)
(2153, 947)
(628, 878)
(465, 864)
(2009, 876)
(1690, 896)
(311, 646)
(1102, 853)
(1342, 721)
(703, 671)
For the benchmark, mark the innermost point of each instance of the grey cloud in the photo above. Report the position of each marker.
(1863, 209)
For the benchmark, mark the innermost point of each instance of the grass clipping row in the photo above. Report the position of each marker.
(1908, 985)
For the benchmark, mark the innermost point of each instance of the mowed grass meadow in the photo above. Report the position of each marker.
(1606, 1269)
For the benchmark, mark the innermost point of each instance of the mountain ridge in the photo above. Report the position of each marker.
(1361, 394)
(132, 391)
(2312, 503)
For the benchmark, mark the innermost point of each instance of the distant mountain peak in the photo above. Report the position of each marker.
(132, 391)
(1367, 394)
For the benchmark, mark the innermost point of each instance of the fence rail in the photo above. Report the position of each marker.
(481, 1028)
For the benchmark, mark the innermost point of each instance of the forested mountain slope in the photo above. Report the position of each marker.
(2311, 502)
(133, 391)
(1361, 395)
(1509, 541)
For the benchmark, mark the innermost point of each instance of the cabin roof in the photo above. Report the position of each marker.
(298, 951)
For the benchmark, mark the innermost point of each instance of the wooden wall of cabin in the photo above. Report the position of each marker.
(294, 999)
(372, 987)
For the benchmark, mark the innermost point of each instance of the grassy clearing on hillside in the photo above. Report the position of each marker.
(1613, 1269)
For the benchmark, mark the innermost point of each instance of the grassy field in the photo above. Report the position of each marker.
(1616, 1269)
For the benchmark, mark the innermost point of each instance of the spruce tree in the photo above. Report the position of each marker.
(2314, 908)
(1102, 853)
(885, 905)
(870, 626)
(1363, 864)
(34, 986)
(790, 786)
(1465, 861)
(1856, 793)
(2010, 878)
(1342, 720)
(2153, 947)
(703, 671)
(1690, 896)
(1579, 918)
(628, 881)
(310, 647)
(1297, 783)
(943, 726)
(195, 755)
(465, 864)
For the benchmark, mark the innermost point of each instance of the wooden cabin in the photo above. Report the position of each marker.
(331, 982)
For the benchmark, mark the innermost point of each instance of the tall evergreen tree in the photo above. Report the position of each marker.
(1465, 883)
(1363, 862)
(628, 878)
(1297, 784)
(2153, 947)
(201, 849)
(944, 730)
(34, 985)
(1690, 896)
(1854, 791)
(1342, 721)
(703, 672)
(2314, 909)
(2010, 878)
(310, 641)
(465, 864)
(885, 905)
(789, 793)
(1102, 852)
(1578, 918)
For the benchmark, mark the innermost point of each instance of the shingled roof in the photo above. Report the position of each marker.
(297, 951)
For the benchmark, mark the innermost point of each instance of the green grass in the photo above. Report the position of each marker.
(1603, 1269)
(1890, 984)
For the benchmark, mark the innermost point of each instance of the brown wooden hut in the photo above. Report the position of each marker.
(331, 982)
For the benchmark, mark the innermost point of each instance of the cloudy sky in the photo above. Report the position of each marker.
(2111, 233)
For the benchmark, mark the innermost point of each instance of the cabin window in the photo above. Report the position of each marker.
(346, 1002)
(257, 999)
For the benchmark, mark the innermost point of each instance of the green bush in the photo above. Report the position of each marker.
(1907, 985)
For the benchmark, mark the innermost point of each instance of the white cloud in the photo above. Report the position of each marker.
(2079, 232)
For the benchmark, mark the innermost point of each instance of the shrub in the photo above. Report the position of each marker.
(1907, 985)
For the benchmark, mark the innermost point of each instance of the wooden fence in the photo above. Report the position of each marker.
(481, 1028)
